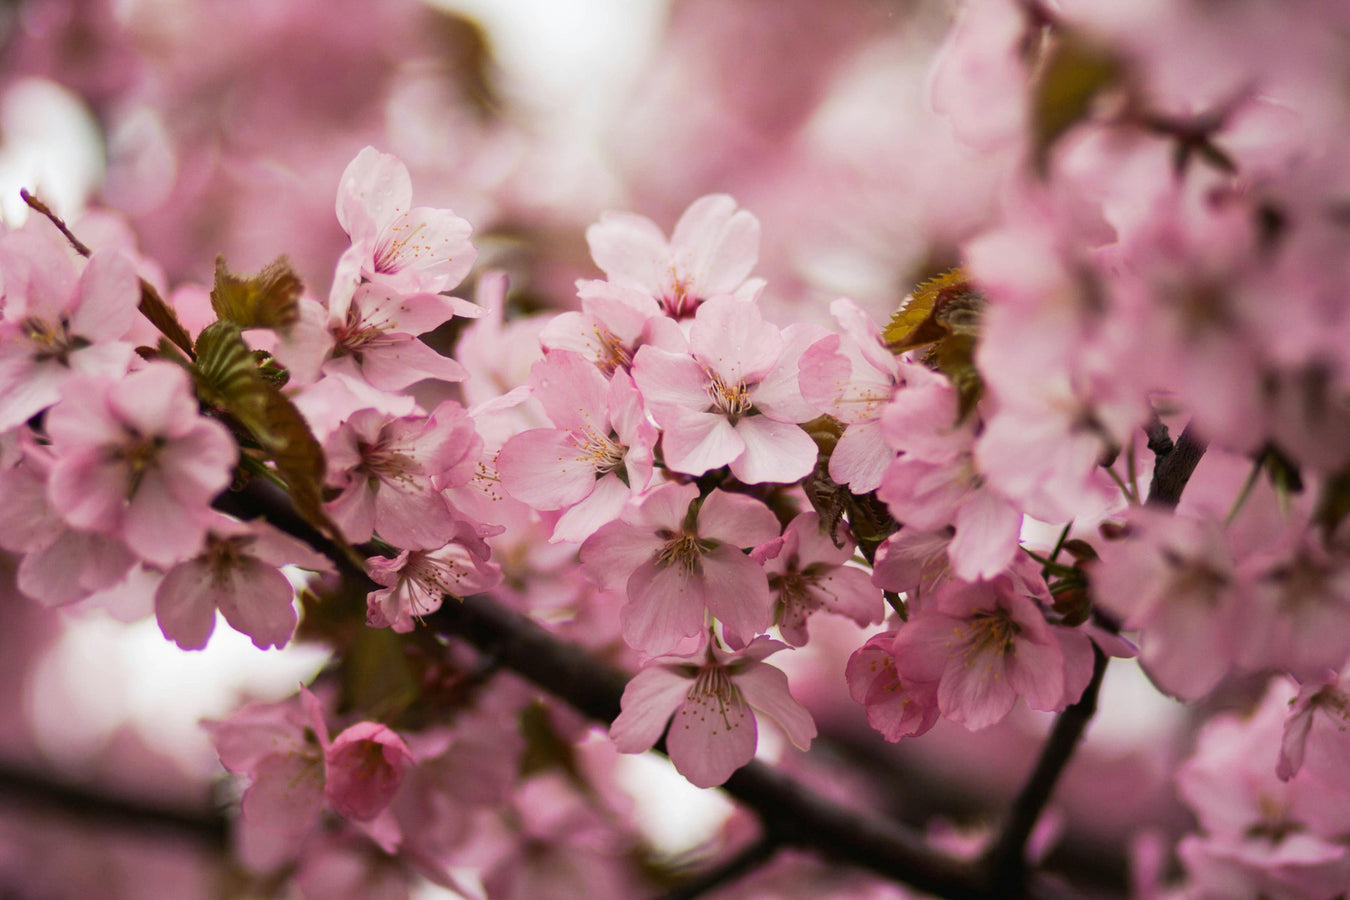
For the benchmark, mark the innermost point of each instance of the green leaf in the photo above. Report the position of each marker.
(939, 308)
(269, 299)
(227, 377)
(944, 315)
(1074, 74)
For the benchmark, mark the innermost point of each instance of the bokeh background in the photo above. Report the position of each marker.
(221, 127)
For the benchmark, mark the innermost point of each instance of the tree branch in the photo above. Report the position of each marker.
(77, 801)
(795, 814)
(1174, 467)
(1005, 860)
(729, 870)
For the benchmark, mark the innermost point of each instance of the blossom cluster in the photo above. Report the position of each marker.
(680, 473)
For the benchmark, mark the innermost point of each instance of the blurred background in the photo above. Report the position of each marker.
(222, 127)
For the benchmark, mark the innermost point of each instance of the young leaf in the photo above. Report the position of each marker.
(266, 300)
(227, 377)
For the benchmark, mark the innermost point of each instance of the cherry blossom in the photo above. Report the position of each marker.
(597, 458)
(985, 644)
(416, 581)
(391, 471)
(712, 251)
(54, 325)
(713, 698)
(851, 377)
(237, 572)
(135, 460)
(408, 249)
(678, 556)
(364, 767)
(377, 340)
(897, 707)
(807, 572)
(732, 398)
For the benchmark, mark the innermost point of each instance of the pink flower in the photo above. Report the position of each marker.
(851, 377)
(377, 339)
(238, 573)
(292, 766)
(613, 322)
(416, 581)
(135, 460)
(410, 250)
(897, 707)
(1330, 744)
(712, 251)
(1285, 835)
(1173, 580)
(987, 643)
(679, 562)
(54, 326)
(934, 484)
(597, 458)
(59, 564)
(733, 398)
(279, 747)
(807, 573)
(913, 563)
(391, 472)
(364, 767)
(713, 698)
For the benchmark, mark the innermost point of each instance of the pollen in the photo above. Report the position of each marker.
(685, 551)
(731, 400)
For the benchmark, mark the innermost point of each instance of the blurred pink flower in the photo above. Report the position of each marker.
(712, 250)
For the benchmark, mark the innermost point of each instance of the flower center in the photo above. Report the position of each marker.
(680, 303)
(713, 693)
(394, 253)
(990, 633)
(731, 400)
(601, 451)
(139, 453)
(685, 551)
(355, 334)
(379, 463)
(51, 341)
(613, 354)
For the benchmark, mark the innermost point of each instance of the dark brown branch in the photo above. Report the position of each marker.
(795, 813)
(1006, 858)
(83, 803)
(1173, 468)
(726, 872)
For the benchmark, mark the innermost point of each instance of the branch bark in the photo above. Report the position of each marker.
(27, 789)
(1174, 466)
(1005, 860)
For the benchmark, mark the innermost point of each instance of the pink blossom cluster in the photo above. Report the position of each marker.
(681, 469)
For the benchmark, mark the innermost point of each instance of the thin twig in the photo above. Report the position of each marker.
(1006, 857)
(28, 789)
(1173, 468)
(739, 864)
